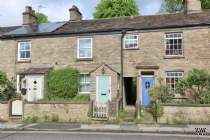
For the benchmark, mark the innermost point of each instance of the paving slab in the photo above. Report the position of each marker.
(6, 126)
(100, 127)
(129, 127)
(54, 126)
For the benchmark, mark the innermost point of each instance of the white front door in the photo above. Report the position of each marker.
(35, 87)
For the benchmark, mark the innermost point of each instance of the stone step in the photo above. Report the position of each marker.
(148, 117)
(15, 119)
(129, 114)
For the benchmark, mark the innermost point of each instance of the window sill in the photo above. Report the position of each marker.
(130, 48)
(84, 59)
(23, 61)
(174, 57)
(84, 93)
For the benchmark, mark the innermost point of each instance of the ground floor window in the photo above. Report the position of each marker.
(84, 83)
(172, 78)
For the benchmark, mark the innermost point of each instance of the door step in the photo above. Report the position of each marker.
(148, 117)
(15, 119)
(129, 114)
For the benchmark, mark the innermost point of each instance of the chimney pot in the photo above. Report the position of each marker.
(75, 13)
(28, 9)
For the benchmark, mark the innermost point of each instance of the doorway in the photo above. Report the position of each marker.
(130, 90)
(35, 87)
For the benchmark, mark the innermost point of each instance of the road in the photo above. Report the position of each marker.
(21, 135)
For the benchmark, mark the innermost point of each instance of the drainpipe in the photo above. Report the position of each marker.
(122, 80)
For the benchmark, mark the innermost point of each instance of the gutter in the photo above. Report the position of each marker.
(116, 31)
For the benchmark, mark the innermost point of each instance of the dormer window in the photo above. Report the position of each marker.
(24, 51)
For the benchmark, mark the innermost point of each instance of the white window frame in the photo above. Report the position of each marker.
(180, 75)
(137, 38)
(166, 38)
(78, 45)
(19, 55)
(83, 93)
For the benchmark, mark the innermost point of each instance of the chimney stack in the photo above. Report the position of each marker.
(193, 6)
(29, 19)
(75, 14)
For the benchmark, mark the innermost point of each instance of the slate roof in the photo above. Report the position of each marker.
(4, 30)
(115, 24)
(42, 28)
(36, 71)
(138, 22)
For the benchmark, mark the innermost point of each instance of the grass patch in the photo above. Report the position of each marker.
(177, 121)
(121, 116)
(141, 119)
(44, 119)
(81, 98)
(76, 99)
(32, 119)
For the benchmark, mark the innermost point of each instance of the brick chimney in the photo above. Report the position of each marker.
(29, 19)
(75, 14)
(193, 6)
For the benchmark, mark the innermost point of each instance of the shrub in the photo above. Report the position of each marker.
(205, 97)
(32, 119)
(55, 118)
(205, 4)
(7, 88)
(17, 96)
(63, 83)
(196, 82)
(161, 92)
(47, 118)
(157, 111)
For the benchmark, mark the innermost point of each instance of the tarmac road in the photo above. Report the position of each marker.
(46, 135)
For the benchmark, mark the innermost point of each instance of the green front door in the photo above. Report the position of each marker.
(103, 89)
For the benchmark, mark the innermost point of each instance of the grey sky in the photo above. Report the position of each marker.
(57, 10)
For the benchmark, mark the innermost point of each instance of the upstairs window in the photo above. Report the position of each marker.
(174, 44)
(24, 51)
(131, 42)
(172, 78)
(84, 48)
(84, 83)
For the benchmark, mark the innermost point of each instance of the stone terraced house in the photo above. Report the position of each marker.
(110, 54)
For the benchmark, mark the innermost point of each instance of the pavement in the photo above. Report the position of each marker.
(125, 128)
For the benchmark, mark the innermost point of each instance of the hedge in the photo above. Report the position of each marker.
(63, 83)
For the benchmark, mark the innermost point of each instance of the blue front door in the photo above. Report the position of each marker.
(147, 82)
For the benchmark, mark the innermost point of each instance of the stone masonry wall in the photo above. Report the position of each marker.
(4, 111)
(152, 51)
(66, 111)
(186, 114)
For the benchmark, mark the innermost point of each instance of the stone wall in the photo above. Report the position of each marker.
(152, 52)
(66, 111)
(4, 111)
(186, 114)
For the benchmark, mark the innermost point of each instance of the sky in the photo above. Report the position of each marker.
(58, 10)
